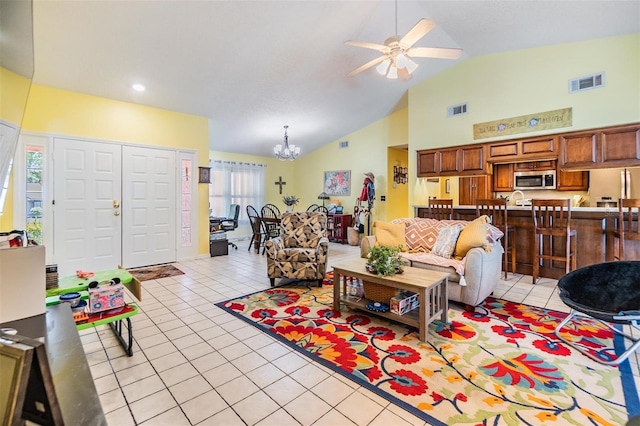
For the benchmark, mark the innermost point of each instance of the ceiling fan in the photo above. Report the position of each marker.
(395, 62)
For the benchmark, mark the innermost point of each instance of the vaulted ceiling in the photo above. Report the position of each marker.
(253, 66)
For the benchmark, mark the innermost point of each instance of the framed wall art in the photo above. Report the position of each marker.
(337, 182)
(204, 175)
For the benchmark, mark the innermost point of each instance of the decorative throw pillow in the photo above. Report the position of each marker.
(473, 235)
(390, 234)
(446, 242)
(421, 234)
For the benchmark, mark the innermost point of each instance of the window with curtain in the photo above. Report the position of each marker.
(236, 183)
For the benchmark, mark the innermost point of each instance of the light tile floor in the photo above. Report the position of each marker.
(194, 363)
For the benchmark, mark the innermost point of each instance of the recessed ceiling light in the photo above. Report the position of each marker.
(138, 87)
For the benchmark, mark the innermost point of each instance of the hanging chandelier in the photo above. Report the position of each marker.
(286, 152)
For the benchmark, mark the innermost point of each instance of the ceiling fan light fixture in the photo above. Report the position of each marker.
(383, 67)
(393, 72)
(401, 60)
(411, 66)
(404, 74)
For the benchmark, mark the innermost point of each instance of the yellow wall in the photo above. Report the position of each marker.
(61, 112)
(397, 194)
(14, 90)
(526, 81)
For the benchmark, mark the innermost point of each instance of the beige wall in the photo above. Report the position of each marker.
(522, 82)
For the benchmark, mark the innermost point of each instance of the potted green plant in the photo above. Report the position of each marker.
(290, 201)
(385, 260)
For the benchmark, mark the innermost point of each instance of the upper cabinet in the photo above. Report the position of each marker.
(458, 161)
(604, 148)
(535, 165)
(522, 149)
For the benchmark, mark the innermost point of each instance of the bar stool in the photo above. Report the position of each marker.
(552, 219)
(441, 209)
(627, 225)
(496, 209)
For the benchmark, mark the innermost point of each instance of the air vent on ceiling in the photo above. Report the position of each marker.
(454, 110)
(343, 144)
(586, 83)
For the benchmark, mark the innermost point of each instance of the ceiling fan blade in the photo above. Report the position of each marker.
(367, 65)
(418, 31)
(434, 52)
(367, 45)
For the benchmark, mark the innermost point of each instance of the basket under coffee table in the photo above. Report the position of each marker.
(431, 287)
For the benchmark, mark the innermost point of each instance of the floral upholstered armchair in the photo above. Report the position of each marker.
(300, 252)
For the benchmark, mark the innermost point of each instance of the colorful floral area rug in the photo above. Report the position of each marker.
(501, 365)
(155, 272)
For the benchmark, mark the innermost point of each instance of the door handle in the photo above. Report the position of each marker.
(116, 213)
(116, 204)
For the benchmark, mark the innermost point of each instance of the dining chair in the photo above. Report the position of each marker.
(270, 214)
(551, 222)
(259, 233)
(627, 224)
(496, 209)
(440, 209)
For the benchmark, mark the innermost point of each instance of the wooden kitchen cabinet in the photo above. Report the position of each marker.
(472, 188)
(520, 149)
(427, 163)
(603, 148)
(503, 177)
(535, 165)
(462, 160)
(572, 181)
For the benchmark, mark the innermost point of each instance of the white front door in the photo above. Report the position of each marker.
(87, 191)
(149, 206)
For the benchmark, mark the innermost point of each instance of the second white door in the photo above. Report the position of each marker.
(149, 206)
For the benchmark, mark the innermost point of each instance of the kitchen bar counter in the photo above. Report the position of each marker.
(594, 225)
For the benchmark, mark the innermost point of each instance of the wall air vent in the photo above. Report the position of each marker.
(586, 83)
(343, 144)
(454, 110)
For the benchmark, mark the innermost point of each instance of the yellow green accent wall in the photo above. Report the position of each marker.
(526, 81)
(367, 152)
(55, 111)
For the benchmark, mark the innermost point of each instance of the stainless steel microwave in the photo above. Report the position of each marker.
(537, 179)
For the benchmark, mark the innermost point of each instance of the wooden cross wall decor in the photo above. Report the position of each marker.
(280, 182)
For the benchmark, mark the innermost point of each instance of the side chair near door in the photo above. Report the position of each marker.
(496, 209)
(627, 224)
(230, 223)
(440, 209)
(552, 224)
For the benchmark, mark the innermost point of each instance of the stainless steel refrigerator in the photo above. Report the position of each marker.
(606, 186)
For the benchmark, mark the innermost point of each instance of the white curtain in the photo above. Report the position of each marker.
(236, 183)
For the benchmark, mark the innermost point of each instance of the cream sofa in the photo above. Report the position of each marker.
(471, 278)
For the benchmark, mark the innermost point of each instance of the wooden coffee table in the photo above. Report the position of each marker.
(430, 285)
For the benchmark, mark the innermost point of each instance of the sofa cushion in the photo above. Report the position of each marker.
(421, 233)
(446, 242)
(390, 234)
(474, 234)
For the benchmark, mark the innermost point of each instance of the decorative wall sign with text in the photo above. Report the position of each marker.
(524, 123)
